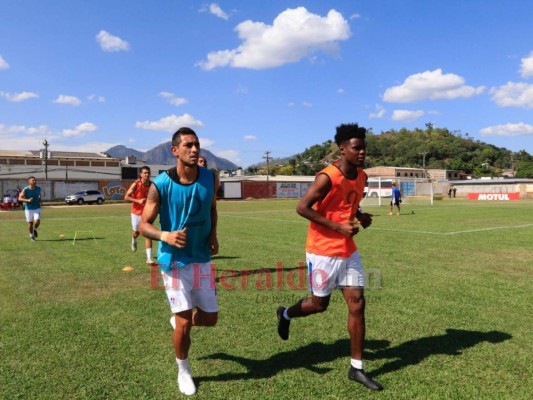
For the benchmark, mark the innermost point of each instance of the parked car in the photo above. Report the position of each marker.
(88, 196)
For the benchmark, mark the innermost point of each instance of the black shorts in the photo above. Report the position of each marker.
(395, 203)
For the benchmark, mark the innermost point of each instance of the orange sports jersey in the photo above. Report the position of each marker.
(339, 205)
(140, 192)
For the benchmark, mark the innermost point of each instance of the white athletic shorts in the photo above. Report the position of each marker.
(191, 286)
(135, 221)
(327, 273)
(32, 215)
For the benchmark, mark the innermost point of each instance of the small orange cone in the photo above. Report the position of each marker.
(128, 268)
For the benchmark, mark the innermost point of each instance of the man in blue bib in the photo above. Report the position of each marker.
(30, 196)
(185, 199)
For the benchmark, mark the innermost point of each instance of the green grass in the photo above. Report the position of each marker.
(448, 308)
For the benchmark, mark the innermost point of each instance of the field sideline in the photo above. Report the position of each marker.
(448, 308)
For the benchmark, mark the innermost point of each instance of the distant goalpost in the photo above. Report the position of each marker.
(414, 191)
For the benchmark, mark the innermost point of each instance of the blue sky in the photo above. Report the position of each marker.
(255, 76)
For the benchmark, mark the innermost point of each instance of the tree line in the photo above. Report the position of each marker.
(430, 148)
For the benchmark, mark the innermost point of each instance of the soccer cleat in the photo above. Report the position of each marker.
(133, 245)
(35, 233)
(360, 376)
(32, 238)
(150, 262)
(390, 213)
(283, 324)
(185, 383)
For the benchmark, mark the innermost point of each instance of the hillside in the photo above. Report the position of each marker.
(432, 148)
(161, 155)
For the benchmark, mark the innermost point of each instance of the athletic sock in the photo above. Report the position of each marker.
(183, 365)
(358, 364)
(149, 254)
(286, 315)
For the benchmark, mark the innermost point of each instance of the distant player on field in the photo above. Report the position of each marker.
(30, 196)
(332, 206)
(185, 199)
(396, 199)
(137, 194)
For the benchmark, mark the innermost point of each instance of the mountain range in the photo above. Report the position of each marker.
(161, 155)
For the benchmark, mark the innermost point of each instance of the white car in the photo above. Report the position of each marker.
(88, 196)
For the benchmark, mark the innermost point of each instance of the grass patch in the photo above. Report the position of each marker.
(448, 308)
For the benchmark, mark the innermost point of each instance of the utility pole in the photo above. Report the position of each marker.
(45, 144)
(267, 158)
(424, 162)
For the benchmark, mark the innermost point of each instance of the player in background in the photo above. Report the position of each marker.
(332, 206)
(184, 197)
(30, 196)
(202, 162)
(396, 199)
(137, 194)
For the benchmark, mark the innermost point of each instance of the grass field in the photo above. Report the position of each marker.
(448, 308)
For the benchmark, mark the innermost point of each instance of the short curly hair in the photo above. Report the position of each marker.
(346, 132)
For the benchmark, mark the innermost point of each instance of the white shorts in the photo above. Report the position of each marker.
(191, 286)
(327, 273)
(32, 215)
(135, 221)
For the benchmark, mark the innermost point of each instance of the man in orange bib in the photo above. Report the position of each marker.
(137, 194)
(332, 206)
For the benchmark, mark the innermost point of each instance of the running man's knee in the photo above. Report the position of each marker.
(202, 318)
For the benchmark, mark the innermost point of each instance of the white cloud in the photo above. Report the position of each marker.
(526, 66)
(170, 124)
(513, 95)
(519, 129)
(17, 97)
(432, 85)
(3, 63)
(294, 34)
(41, 130)
(93, 97)
(172, 99)
(355, 16)
(215, 9)
(249, 137)
(307, 104)
(111, 43)
(80, 130)
(205, 142)
(64, 99)
(406, 115)
(19, 137)
(380, 112)
(232, 155)
(340, 90)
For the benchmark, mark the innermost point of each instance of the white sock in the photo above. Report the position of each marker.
(285, 315)
(357, 363)
(183, 365)
(149, 254)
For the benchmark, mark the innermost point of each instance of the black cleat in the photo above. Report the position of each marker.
(35, 233)
(283, 324)
(360, 376)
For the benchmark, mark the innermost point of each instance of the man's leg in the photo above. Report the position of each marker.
(182, 342)
(303, 308)
(202, 318)
(355, 300)
(148, 246)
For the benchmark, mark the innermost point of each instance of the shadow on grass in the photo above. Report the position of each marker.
(409, 353)
(271, 272)
(452, 343)
(70, 239)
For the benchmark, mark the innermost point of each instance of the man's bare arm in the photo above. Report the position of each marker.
(150, 212)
